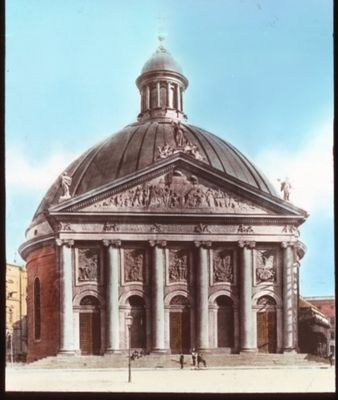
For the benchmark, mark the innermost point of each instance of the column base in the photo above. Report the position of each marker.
(203, 350)
(290, 351)
(246, 351)
(159, 351)
(112, 351)
(66, 353)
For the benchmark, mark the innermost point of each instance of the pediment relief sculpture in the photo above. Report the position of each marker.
(177, 191)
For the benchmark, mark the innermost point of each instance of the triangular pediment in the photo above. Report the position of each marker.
(175, 187)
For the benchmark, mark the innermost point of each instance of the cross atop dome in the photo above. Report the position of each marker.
(161, 38)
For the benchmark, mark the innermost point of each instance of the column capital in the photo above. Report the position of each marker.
(113, 243)
(205, 244)
(286, 244)
(157, 243)
(246, 243)
(64, 242)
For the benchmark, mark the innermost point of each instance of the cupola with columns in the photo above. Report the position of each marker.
(161, 85)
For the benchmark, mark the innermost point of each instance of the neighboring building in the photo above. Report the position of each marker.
(171, 224)
(327, 306)
(16, 312)
(314, 329)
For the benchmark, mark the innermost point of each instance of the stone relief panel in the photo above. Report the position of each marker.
(178, 268)
(223, 266)
(176, 191)
(88, 265)
(266, 265)
(134, 265)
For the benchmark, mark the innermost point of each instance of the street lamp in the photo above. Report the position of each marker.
(129, 320)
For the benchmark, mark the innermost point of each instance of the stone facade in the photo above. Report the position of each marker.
(168, 224)
(16, 312)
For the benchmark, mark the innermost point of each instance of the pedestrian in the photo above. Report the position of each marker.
(200, 359)
(193, 356)
(182, 360)
(331, 359)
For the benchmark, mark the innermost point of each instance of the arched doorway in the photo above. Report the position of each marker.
(225, 322)
(138, 327)
(266, 325)
(179, 321)
(90, 325)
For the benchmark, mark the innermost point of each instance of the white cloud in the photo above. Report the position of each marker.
(309, 170)
(26, 175)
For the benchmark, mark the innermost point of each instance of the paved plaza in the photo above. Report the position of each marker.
(223, 380)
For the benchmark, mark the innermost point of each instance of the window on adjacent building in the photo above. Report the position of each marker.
(37, 310)
(10, 316)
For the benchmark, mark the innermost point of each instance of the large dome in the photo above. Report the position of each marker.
(136, 147)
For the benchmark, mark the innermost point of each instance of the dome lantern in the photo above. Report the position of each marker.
(161, 85)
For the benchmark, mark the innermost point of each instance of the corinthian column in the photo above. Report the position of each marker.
(248, 341)
(289, 299)
(112, 299)
(66, 297)
(202, 294)
(157, 289)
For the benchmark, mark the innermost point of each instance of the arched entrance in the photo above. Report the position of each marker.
(90, 326)
(266, 325)
(225, 322)
(138, 327)
(179, 321)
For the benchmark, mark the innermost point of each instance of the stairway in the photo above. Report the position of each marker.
(254, 360)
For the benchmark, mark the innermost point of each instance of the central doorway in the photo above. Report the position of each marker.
(266, 325)
(90, 332)
(225, 322)
(138, 327)
(179, 322)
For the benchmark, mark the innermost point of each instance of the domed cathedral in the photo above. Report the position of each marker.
(169, 228)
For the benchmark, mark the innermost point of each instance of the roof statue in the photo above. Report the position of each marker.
(286, 189)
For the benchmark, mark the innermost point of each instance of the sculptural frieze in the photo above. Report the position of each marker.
(291, 229)
(223, 268)
(155, 228)
(178, 266)
(177, 191)
(133, 265)
(265, 266)
(62, 227)
(108, 227)
(88, 265)
(245, 229)
(202, 228)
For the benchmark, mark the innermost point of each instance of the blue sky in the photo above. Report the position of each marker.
(260, 74)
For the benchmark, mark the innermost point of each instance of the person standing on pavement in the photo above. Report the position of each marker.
(200, 359)
(182, 360)
(193, 356)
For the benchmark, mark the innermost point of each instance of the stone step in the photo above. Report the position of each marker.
(172, 361)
